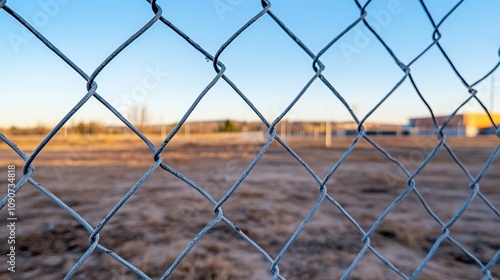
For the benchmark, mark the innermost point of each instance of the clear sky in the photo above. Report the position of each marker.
(161, 71)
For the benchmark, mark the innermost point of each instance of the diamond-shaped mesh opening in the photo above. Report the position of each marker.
(432, 76)
(406, 234)
(268, 205)
(481, 53)
(398, 22)
(351, 75)
(334, 240)
(403, 97)
(273, 62)
(359, 186)
(214, 160)
(434, 187)
(331, 19)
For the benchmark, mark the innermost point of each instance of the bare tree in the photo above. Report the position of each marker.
(140, 116)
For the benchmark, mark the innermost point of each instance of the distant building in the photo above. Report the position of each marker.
(302, 128)
(468, 124)
(351, 128)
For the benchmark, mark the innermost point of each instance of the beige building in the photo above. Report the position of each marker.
(468, 124)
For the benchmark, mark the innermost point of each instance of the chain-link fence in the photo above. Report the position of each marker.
(324, 195)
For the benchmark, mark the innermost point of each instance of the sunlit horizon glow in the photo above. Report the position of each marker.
(162, 72)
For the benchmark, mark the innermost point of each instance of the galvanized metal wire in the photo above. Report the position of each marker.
(324, 196)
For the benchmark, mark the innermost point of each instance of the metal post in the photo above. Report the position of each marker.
(283, 130)
(328, 134)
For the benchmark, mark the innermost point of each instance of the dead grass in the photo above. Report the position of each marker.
(210, 268)
(163, 216)
(413, 237)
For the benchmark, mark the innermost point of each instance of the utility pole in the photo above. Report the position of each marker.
(283, 129)
(328, 134)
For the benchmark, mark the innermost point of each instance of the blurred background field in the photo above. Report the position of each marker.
(223, 76)
(91, 174)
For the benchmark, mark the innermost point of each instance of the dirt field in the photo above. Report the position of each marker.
(165, 214)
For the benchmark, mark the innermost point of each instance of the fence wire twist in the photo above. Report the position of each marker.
(324, 196)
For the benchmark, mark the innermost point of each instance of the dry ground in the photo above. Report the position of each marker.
(165, 214)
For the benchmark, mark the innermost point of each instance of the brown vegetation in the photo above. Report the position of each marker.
(155, 225)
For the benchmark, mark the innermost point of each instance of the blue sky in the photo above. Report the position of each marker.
(161, 71)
